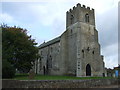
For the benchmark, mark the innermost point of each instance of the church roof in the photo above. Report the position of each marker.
(50, 42)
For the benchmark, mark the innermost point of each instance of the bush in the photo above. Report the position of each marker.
(8, 71)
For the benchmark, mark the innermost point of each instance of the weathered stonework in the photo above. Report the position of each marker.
(77, 51)
(91, 83)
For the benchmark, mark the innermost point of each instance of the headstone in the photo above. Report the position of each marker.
(31, 74)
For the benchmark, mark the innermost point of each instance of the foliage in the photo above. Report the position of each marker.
(8, 71)
(18, 48)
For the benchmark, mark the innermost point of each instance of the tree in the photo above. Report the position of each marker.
(18, 48)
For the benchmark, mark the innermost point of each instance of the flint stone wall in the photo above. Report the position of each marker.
(58, 83)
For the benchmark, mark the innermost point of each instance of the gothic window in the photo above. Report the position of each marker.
(50, 62)
(83, 53)
(86, 18)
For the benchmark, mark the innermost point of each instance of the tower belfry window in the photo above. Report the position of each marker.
(86, 18)
(71, 18)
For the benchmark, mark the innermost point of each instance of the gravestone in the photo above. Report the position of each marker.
(31, 74)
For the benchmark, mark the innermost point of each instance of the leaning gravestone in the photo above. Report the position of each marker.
(31, 74)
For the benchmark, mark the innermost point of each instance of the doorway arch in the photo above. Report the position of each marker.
(88, 70)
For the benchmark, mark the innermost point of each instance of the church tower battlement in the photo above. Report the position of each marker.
(80, 14)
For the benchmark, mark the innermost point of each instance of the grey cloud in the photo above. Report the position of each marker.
(20, 11)
(107, 27)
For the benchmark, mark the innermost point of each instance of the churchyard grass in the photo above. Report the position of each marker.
(48, 77)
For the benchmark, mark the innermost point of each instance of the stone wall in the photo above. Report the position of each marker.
(58, 83)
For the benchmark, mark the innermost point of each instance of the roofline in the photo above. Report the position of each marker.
(53, 41)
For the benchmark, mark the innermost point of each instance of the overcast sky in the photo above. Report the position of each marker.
(46, 20)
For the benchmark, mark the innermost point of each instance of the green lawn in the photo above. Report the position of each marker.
(47, 77)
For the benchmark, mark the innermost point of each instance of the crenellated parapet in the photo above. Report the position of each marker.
(80, 6)
(79, 13)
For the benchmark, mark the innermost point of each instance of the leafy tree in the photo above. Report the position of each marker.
(18, 48)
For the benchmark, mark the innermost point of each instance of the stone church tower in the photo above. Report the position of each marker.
(77, 51)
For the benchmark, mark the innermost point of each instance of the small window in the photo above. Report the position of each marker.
(93, 52)
(50, 61)
(87, 18)
(88, 49)
(83, 53)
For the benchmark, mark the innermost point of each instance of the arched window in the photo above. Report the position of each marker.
(50, 61)
(71, 18)
(86, 18)
(83, 53)
(93, 52)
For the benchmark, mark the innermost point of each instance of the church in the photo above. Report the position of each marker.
(76, 51)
